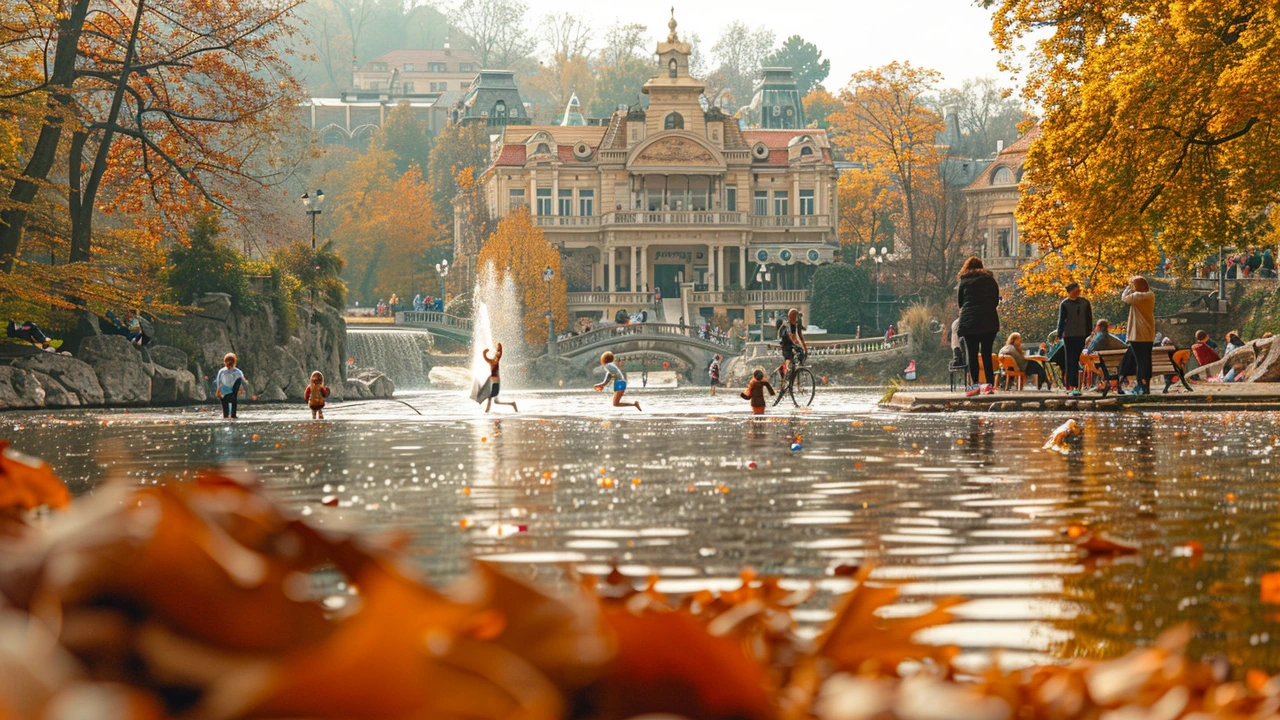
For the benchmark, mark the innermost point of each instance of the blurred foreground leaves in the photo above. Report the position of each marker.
(204, 599)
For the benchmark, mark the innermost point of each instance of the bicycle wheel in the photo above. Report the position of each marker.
(803, 388)
(778, 381)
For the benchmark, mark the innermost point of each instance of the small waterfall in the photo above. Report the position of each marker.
(398, 354)
(498, 318)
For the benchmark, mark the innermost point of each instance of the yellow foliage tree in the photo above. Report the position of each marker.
(518, 247)
(868, 205)
(1158, 130)
(385, 225)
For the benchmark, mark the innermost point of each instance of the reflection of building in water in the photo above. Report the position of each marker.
(992, 199)
(674, 206)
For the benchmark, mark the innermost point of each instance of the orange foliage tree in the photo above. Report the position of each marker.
(518, 248)
(385, 226)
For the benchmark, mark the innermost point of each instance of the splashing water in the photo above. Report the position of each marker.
(497, 319)
(398, 354)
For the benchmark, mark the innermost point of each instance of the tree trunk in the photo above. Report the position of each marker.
(82, 216)
(46, 149)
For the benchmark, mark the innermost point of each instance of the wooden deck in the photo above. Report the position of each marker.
(1205, 396)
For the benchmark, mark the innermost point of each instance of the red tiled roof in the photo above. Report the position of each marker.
(565, 152)
(778, 157)
(781, 138)
(1011, 157)
(511, 155)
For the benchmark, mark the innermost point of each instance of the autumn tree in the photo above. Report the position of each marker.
(497, 31)
(887, 121)
(565, 68)
(739, 53)
(458, 147)
(622, 68)
(805, 60)
(1157, 130)
(406, 136)
(819, 106)
(985, 115)
(869, 203)
(518, 248)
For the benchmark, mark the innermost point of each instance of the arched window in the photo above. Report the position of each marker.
(675, 121)
(673, 69)
(1002, 176)
(499, 113)
(806, 151)
(543, 149)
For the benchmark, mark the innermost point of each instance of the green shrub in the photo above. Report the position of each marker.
(318, 270)
(840, 293)
(207, 264)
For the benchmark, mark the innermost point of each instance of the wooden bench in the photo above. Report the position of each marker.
(1162, 363)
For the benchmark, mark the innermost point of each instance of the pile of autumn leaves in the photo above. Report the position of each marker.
(199, 599)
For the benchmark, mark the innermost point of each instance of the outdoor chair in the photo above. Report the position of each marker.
(1009, 369)
(961, 367)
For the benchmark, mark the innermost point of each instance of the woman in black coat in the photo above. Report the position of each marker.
(979, 295)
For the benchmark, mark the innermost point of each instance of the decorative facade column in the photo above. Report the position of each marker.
(644, 269)
(533, 192)
(720, 267)
(555, 193)
(608, 267)
(633, 272)
(742, 266)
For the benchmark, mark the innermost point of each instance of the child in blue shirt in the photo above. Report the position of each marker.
(228, 385)
(614, 373)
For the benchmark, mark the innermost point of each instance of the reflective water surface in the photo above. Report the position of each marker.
(694, 489)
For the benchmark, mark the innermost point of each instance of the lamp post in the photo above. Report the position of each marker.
(442, 269)
(879, 260)
(762, 276)
(547, 275)
(308, 201)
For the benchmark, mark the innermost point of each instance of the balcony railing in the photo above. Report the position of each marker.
(1004, 263)
(414, 317)
(749, 297)
(705, 217)
(567, 221)
(822, 348)
(661, 331)
(620, 299)
(791, 221)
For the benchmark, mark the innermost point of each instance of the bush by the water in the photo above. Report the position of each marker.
(207, 264)
(840, 293)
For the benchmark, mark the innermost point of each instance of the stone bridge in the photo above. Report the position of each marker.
(680, 342)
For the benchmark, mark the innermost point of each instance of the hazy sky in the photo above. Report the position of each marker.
(951, 36)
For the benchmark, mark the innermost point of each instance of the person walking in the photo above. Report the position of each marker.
(1075, 322)
(228, 385)
(1140, 329)
(978, 296)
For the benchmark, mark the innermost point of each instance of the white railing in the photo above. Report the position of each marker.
(414, 317)
(703, 217)
(563, 221)
(659, 331)
(822, 348)
(624, 299)
(791, 221)
(749, 297)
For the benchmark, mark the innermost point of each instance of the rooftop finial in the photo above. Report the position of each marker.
(672, 24)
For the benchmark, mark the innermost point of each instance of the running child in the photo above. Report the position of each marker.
(755, 391)
(228, 385)
(614, 373)
(315, 395)
(493, 379)
(714, 372)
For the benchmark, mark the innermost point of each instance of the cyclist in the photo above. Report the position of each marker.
(790, 337)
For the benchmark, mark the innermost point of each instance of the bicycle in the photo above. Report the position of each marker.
(799, 384)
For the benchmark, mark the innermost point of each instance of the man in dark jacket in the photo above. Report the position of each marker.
(1075, 321)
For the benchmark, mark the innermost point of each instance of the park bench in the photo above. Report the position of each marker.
(1162, 363)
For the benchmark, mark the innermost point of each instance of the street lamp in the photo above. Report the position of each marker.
(762, 276)
(879, 260)
(442, 269)
(307, 201)
(547, 275)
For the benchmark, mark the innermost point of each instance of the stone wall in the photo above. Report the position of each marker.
(179, 367)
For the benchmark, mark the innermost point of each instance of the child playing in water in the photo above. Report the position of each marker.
(493, 378)
(714, 372)
(315, 394)
(755, 391)
(613, 372)
(228, 384)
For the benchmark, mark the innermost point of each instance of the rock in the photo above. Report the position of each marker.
(214, 306)
(1084, 404)
(1053, 404)
(1106, 404)
(20, 389)
(1071, 404)
(357, 390)
(370, 384)
(55, 395)
(74, 375)
(382, 387)
(1004, 406)
(170, 387)
(1031, 405)
(168, 357)
(273, 394)
(119, 368)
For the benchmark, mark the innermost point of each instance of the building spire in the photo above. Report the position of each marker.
(671, 38)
